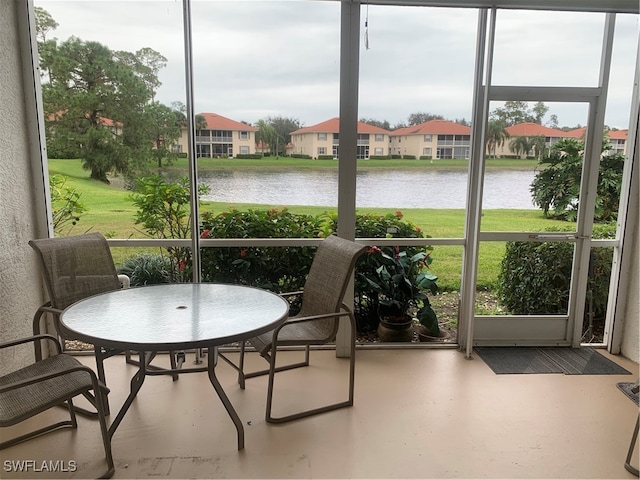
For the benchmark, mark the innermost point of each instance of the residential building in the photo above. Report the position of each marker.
(433, 139)
(617, 139)
(530, 131)
(322, 139)
(222, 137)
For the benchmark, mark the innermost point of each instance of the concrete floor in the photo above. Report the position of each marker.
(427, 413)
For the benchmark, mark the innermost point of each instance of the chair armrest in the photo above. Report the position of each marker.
(46, 376)
(290, 294)
(34, 339)
(125, 281)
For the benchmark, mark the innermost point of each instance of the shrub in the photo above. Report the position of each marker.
(65, 204)
(300, 155)
(535, 277)
(147, 269)
(409, 157)
(374, 225)
(164, 212)
(426, 157)
(325, 157)
(250, 156)
(280, 269)
(379, 157)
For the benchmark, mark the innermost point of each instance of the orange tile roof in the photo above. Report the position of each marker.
(529, 129)
(333, 126)
(618, 134)
(218, 122)
(576, 133)
(434, 127)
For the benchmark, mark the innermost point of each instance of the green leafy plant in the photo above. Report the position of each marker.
(400, 282)
(556, 188)
(281, 269)
(535, 276)
(164, 212)
(65, 202)
(147, 269)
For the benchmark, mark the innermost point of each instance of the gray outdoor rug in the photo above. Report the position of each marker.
(569, 361)
(626, 387)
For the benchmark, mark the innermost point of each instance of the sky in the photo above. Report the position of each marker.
(258, 59)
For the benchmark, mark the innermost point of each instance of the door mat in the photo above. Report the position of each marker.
(626, 388)
(569, 361)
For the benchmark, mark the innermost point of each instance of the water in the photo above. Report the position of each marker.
(375, 188)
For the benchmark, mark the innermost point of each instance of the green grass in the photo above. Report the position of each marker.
(110, 212)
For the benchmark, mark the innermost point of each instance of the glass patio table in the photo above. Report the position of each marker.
(173, 317)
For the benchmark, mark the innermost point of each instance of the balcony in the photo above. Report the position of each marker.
(421, 413)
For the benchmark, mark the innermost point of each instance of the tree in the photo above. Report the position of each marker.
(164, 128)
(421, 117)
(556, 187)
(283, 127)
(521, 145)
(44, 24)
(377, 123)
(146, 63)
(496, 135)
(93, 106)
(266, 135)
(539, 111)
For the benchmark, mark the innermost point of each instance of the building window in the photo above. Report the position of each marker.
(426, 151)
(322, 136)
(322, 150)
(244, 135)
(445, 139)
(427, 138)
(442, 152)
(379, 137)
(244, 149)
(379, 151)
(461, 152)
(363, 151)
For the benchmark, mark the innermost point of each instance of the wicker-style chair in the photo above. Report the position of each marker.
(75, 268)
(48, 383)
(315, 324)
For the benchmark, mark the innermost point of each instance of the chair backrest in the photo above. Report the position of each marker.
(329, 276)
(76, 267)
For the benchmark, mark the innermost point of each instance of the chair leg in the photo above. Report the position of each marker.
(306, 413)
(634, 438)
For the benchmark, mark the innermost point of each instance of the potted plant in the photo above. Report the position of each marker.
(400, 280)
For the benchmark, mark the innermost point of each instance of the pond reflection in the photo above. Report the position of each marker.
(375, 188)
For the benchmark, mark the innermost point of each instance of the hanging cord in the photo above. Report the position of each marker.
(366, 29)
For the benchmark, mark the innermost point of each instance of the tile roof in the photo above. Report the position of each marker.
(333, 126)
(529, 129)
(576, 133)
(618, 134)
(218, 122)
(434, 127)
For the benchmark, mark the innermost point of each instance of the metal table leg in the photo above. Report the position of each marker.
(212, 360)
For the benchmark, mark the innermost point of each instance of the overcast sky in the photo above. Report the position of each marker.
(254, 59)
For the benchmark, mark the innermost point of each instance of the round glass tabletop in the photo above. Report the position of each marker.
(173, 316)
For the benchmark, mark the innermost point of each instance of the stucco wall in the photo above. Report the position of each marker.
(631, 332)
(20, 295)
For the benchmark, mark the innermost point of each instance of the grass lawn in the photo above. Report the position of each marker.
(110, 212)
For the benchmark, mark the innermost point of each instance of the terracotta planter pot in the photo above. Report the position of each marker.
(425, 335)
(396, 331)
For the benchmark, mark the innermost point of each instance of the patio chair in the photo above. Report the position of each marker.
(48, 383)
(315, 324)
(75, 268)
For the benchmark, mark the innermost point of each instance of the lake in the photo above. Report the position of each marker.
(375, 188)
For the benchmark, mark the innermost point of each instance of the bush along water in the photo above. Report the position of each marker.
(535, 277)
(284, 269)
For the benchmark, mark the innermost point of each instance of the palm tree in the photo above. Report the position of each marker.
(521, 145)
(496, 135)
(266, 135)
